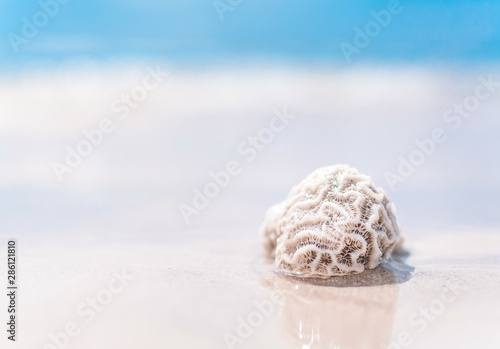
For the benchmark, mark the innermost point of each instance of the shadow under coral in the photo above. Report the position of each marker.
(387, 273)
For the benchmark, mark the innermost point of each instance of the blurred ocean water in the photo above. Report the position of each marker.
(169, 134)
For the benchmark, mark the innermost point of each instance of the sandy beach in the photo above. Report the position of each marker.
(154, 155)
(224, 294)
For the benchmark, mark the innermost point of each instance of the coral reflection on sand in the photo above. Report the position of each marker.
(352, 311)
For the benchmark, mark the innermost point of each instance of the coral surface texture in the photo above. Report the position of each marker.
(334, 222)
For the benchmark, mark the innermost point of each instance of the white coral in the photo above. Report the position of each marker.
(334, 222)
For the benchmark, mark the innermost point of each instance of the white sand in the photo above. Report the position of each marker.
(190, 295)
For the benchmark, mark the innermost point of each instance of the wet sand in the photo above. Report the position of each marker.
(442, 293)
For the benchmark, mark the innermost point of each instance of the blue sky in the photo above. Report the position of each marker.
(442, 32)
